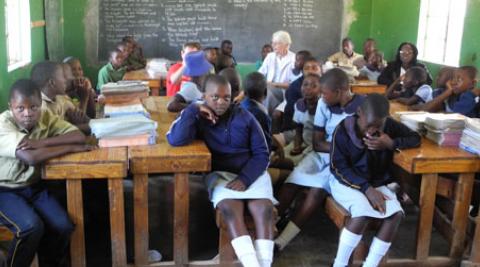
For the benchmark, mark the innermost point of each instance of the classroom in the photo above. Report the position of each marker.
(250, 133)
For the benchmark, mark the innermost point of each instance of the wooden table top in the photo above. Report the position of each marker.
(162, 157)
(143, 75)
(98, 163)
(368, 87)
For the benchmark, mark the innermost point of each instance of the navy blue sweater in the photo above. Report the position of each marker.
(358, 167)
(260, 113)
(236, 141)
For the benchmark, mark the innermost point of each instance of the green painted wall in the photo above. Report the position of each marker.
(38, 50)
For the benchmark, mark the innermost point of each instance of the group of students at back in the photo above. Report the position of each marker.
(336, 143)
(409, 81)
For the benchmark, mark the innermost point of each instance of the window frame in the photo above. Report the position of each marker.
(18, 12)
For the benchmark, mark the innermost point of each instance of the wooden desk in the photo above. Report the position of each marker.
(104, 163)
(163, 158)
(155, 80)
(429, 160)
(368, 87)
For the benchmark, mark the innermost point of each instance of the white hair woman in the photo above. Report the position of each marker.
(277, 68)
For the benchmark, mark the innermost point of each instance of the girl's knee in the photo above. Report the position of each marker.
(229, 213)
(261, 208)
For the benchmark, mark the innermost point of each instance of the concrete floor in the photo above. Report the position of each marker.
(315, 246)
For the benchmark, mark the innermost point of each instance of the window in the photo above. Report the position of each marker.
(17, 21)
(440, 31)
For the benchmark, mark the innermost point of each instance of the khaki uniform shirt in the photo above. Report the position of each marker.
(14, 172)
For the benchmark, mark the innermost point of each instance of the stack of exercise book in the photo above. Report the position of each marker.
(415, 120)
(470, 140)
(128, 130)
(126, 121)
(445, 129)
(124, 92)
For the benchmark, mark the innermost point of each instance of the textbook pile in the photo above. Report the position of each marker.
(129, 130)
(415, 120)
(127, 122)
(445, 129)
(470, 140)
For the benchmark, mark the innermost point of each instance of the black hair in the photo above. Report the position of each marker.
(224, 42)
(369, 39)
(44, 71)
(470, 70)
(419, 74)
(304, 53)
(313, 75)
(128, 39)
(255, 85)
(335, 79)
(311, 58)
(233, 78)
(215, 79)
(267, 45)
(347, 39)
(209, 48)
(223, 62)
(376, 106)
(24, 87)
(415, 53)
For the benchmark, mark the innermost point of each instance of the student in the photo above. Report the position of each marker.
(227, 49)
(233, 77)
(49, 77)
(458, 96)
(414, 90)
(80, 91)
(255, 87)
(373, 67)
(113, 71)
(197, 68)
(369, 46)
(406, 57)
(30, 136)
(313, 172)
(223, 62)
(294, 91)
(296, 72)
(445, 74)
(175, 75)
(135, 59)
(361, 159)
(266, 49)
(239, 161)
(347, 56)
(211, 53)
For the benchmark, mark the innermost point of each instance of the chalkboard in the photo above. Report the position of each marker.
(162, 26)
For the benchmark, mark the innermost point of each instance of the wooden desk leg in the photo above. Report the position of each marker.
(475, 254)
(75, 210)
(140, 218)
(117, 221)
(425, 220)
(180, 219)
(463, 196)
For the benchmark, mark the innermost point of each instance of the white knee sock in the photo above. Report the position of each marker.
(287, 235)
(245, 251)
(264, 249)
(378, 249)
(348, 242)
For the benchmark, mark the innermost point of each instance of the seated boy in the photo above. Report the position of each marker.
(361, 161)
(459, 95)
(239, 162)
(197, 68)
(414, 89)
(29, 136)
(135, 59)
(80, 92)
(50, 78)
(113, 71)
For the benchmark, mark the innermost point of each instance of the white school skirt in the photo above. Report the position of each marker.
(357, 203)
(312, 171)
(260, 189)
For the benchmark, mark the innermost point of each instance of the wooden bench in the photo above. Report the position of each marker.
(340, 217)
